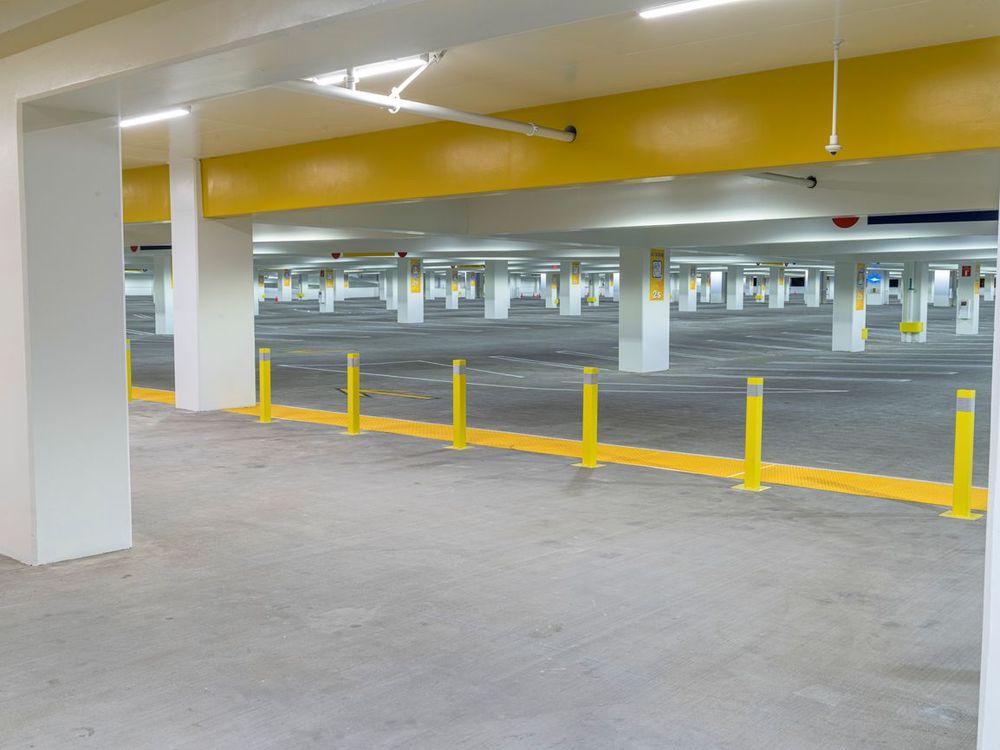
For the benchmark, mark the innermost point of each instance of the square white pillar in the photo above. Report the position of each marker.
(284, 286)
(687, 298)
(551, 291)
(967, 300)
(497, 290)
(214, 365)
(429, 282)
(716, 290)
(942, 288)
(616, 281)
(410, 291)
(849, 309)
(163, 293)
(451, 290)
(813, 287)
(391, 290)
(734, 288)
(569, 287)
(327, 297)
(915, 288)
(644, 311)
(777, 283)
(989, 287)
(340, 285)
(64, 454)
(260, 291)
(593, 290)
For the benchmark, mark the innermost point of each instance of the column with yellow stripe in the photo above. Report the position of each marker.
(754, 437)
(354, 393)
(965, 426)
(588, 448)
(128, 369)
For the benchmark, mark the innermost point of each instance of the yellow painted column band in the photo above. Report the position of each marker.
(458, 404)
(128, 369)
(265, 385)
(754, 436)
(965, 425)
(353, 393)
(588, 451)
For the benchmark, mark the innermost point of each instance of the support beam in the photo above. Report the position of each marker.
(687, 299)
(644, 311)
(163, 293)
(497, 290)
(849, 310)
(915, 288)
(213, 266)
(734, 288)
(777, 297)
(967, 300)
(64, 434)
(410, 290)
(569, 287)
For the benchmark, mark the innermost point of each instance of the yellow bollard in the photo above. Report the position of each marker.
(961, 492)
(353, 393)
(128, 368)
(754, 437)
(588, 451)
(458, 405)
(265, 386)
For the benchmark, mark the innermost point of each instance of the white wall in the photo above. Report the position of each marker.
(137, 285)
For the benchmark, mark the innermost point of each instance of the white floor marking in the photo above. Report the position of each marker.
(476, 369)
(587, 354)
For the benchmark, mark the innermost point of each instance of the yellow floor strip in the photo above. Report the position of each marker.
(829, 480)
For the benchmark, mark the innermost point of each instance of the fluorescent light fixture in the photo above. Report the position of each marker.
(371, 71)
(167, 114)
(683, 6)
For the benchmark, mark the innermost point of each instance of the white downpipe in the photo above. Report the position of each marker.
(431, 110)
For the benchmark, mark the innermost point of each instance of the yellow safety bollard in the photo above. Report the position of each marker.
(128, 368)
(965, 424)
(353, 393)
(588, 451)
(458, 405)
(754, 437)
(265, 386)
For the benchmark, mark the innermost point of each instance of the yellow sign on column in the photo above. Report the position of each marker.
(574, 276)
(347, 281)
(693, 280)
(859, 286)
(416, 277)
(454, 280)
(287, 278)
(328, 278)
(657, 274)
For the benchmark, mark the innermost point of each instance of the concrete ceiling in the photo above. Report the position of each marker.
(29, 23)
(557, 60)
(711, 220)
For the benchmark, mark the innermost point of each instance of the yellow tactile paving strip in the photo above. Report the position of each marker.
(867, 485)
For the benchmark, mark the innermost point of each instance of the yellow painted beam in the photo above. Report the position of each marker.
(919, 101)
(828, 480)
(146, 194)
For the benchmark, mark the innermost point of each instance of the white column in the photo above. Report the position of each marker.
(551, 291)
(327, 300)
(569, 287)
(776, 285)
(687, 300)
(259, 293)
(616, 283)
(914, 286)
(813, 287)
(451, 290)
(967, 300)
(878, 286)
(942, 288)
(163, 293)
(497, 290)
(214, 364)
(429, 282)
(391, 290)
(410, 290)
(989, 287)
(64, 434)
(716, 290)
(704, 287)
(674, 284)
(470, 285)
(382, 285)
(644, 311)
(828, 290)
(593, 290)
(285, 286)
(849, 306)
(339, 284)
(734, 288)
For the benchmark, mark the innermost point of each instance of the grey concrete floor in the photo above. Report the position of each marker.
(887, 411)
(292, 587)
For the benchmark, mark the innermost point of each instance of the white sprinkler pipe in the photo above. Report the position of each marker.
(834, 147)
(431, 110)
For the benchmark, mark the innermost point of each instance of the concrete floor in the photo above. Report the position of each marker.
(293, 587)
(887, 411)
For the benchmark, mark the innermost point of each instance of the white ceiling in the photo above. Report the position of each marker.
(611, 54)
